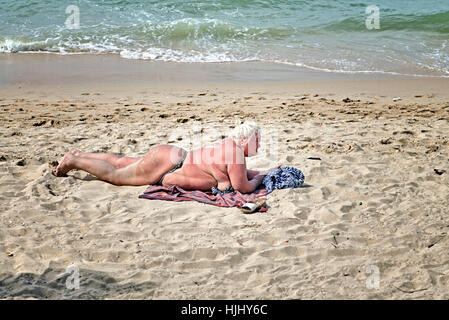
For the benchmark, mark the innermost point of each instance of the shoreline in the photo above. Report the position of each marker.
(110, 74)
(49, 69)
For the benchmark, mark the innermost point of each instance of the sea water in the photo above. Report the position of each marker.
(389, 36)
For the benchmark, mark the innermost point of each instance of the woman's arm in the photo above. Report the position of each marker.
(238, 174)
(252, 173)
(240, 182)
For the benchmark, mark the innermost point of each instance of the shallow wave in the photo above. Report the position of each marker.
(434, 23)
(195, 29)
(12, 45)
(185, 33)
(170, 55)
(335, 70)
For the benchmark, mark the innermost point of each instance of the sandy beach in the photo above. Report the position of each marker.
(371, 221)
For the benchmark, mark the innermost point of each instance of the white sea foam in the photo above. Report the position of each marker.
(11, 45)
(191, 56)
(303, 65)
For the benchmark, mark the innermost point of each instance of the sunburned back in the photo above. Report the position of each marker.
(204, 168)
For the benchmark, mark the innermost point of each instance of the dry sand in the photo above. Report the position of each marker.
(373, 201)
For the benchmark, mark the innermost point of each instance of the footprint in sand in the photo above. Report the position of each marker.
(326, 193)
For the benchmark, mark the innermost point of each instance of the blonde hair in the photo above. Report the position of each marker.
(244, 130)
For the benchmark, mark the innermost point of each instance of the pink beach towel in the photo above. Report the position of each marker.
(175, 193)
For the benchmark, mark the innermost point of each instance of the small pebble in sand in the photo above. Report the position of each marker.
(397, 99)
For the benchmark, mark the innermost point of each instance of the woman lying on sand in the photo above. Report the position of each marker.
(222, 166)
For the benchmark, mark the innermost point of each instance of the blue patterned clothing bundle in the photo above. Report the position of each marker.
(286, 177)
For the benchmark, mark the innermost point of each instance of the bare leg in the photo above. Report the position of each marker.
(102, 170)
(117, 161)
(121, 171)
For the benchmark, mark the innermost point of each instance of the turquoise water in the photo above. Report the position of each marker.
(324, 34)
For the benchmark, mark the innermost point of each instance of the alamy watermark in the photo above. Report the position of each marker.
(73, 20)
(373, 20)
(373, 280)
(73, 280)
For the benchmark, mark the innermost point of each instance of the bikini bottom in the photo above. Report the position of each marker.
(179, 165)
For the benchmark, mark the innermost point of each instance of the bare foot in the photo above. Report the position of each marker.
(65, 165)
